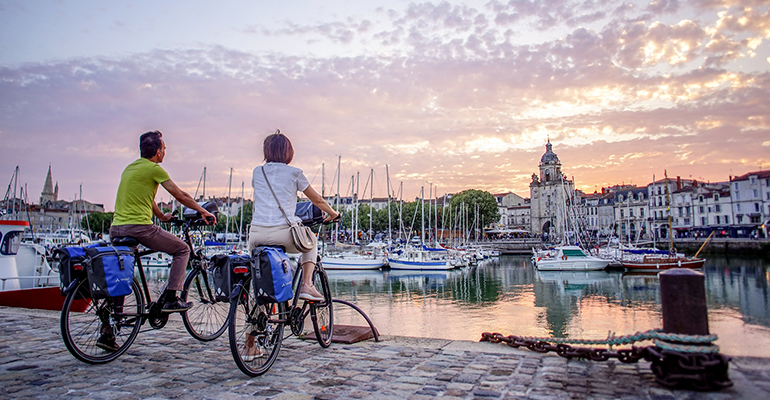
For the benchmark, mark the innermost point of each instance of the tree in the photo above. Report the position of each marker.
(97, 222)
(470, 199)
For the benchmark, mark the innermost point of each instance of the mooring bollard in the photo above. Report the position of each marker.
(682, 361)
(683, 302)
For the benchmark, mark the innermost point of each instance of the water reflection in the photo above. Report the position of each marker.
(511, 297)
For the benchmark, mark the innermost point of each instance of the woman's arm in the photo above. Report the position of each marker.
(321, 203)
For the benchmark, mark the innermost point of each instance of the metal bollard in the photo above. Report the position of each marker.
(683, 305)
(683, 302)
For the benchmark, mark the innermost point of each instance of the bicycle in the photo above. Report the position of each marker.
(123, 316)
(253, 324)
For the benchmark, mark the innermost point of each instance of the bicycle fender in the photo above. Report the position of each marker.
(71, 286)
(234, 291)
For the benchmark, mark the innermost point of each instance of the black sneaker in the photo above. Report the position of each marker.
(107, 342)
(177, 305)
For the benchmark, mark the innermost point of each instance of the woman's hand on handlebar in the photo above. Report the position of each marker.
(330, 219)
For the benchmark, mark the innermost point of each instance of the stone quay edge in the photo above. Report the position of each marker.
(169, 364)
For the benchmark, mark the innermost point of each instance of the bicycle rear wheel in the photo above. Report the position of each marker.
(254, 332)
(321, 312)
(207, 320)
(88, 323)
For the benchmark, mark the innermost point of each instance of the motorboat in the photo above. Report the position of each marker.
(26, 278)
(568, 258)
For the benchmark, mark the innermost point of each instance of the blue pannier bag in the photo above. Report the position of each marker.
(271, 272)
(110, 270)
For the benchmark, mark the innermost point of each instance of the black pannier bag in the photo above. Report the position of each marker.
(71, 265)
(309, 213)
(210, 206)
(223, 274)
(271, 273)
(110, 271)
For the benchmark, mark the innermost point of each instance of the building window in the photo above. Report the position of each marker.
(622, 214)
(716, 197)
(737, 195)
(700, 209)
(756, 207)
(641, 212)
(727, 219)
(753, 180)
(700, 199)
(738, 207)
(737, 186)
(717, 219)
(703, 221)
(718, 208)
(756, 193)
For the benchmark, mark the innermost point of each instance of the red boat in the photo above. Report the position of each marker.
(657, 262)
(26, 278)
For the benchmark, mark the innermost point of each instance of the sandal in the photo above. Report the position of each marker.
(251, 353)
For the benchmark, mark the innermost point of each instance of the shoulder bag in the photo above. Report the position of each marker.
(302, 236)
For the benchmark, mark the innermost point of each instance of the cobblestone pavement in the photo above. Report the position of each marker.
(168, 363)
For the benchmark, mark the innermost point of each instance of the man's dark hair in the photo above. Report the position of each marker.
(149, 143)
(277, 148)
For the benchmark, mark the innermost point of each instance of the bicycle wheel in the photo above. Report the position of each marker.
(207, 320)
(321, 312)
(87, 323)
(255, 335)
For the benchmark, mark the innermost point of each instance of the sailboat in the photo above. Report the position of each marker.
(664, 260)
(422, 257)
(350, 260)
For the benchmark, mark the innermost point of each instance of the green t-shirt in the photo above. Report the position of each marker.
(136, 192)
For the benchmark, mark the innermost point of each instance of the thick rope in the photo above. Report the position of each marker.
(684, 343)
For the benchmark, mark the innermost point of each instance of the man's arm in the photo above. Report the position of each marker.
(187, 200)
(156, 211)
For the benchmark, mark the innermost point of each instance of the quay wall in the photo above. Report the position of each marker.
(748, 247)
(689, 246)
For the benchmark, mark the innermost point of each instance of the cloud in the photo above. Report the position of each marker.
(461, 106)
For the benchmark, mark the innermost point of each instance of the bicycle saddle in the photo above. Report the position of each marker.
(125, 241)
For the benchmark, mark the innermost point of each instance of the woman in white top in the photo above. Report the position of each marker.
(268, 225)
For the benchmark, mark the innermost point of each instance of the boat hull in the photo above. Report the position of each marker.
(572, 265)
(692, 263)
(44, 298)
(419, 265)
(333, 263)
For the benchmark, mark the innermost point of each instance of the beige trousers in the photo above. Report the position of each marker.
(278, 236)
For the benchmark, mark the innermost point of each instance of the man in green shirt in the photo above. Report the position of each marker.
(135, 206)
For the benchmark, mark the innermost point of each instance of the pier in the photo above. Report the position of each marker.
(168, 363)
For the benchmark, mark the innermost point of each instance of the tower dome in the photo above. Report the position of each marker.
(549, 157)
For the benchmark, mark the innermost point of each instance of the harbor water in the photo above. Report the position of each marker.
(509, 296)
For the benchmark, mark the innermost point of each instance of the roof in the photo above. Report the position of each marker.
(745, 177)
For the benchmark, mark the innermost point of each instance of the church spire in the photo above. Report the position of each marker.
(48, 194)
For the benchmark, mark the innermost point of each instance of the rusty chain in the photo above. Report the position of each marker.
(675, 369)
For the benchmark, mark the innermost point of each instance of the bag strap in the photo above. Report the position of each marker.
(275, 197)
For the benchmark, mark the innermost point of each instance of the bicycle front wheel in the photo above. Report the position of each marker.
(321, 312)
(254, 332)
(207, 320)
(97, 331)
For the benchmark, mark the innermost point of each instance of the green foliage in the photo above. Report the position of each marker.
(97, 222)
(487, 205)
(235, 221)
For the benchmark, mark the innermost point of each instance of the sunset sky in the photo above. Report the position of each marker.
(458, 94)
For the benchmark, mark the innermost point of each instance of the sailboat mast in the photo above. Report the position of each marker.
(668, 211)
(229, 190)
(387, 185)
(371, 200)
(240, 224)
(422, 215)
(337, 199)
